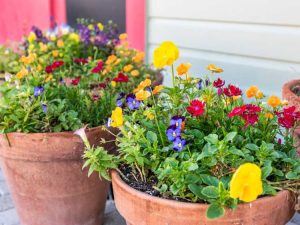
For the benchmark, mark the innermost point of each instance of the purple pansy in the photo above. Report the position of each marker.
(199, 84)
(173, 132)
(132, 103)
(44, 107)
(119, 101)
(38, 91)
(179, 144)
(177, 121)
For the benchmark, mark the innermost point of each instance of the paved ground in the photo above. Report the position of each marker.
(8, 215)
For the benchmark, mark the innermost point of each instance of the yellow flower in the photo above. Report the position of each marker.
(165, 54)
(269, 115)
(142, 95)
(183, 68)
(117, 61)
(139, 56)
(60, 43)
(252, 91)
(50, 77)
(27, 59)
(100, 26)
(39, 68)
(127, 68)
(214, 69)
(31, 37)
(113, 83)
(55, 53)
(274, 101)
(284, 102)
(142, 85)
(111, 59)
(75, 37)
(22, 73)
(117, 117)
(123, 36)
(91, 27)
(43, 47)
(246, 183)
(157, 89)
(259, 94)
(135, 73)
(149, 115)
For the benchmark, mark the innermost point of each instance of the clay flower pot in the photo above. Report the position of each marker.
(142, 209)
(45, 176)
(293, 100)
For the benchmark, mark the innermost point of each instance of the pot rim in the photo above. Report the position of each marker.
(169, 202)
(287, 87)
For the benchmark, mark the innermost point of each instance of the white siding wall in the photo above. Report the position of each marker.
(254, 41)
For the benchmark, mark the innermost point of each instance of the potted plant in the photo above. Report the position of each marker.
(291, 92)
(198, 154)
(57, 90)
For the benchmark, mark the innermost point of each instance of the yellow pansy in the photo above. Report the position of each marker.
(91, 27)
(213, 68)
(142, 95)
(39, 68)
(157, 89)
(135, 73)
(246, 183)
(111, 59)
(27, 59)
(117, 117)
(149, 115)
(22, 73)
(127, 68)
(259, 95)
(100, 26)
(50, 77)
(139, 56)
(43, 47)
(166, 54)
(117, 61)
(60, 43)
(252, 91)
(183, 68)
(123, 36)
(274, 101)
(113, 83)
(55, 53)
(75, 37)
(31, 37)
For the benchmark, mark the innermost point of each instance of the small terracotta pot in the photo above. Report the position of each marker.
(139, 208)
(46, 180)
(293, 100)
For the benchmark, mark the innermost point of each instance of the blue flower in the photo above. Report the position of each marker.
(44, 108)
(199, 84)
(132, 103)
(38, 91)
(177, 121)
(119, 101)
(179, 144)
(173, 132)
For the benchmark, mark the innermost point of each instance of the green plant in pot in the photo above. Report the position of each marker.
(199, 154)
(52, 95)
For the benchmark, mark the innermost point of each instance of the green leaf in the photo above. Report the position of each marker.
(214, 211)
(209, 180)
(212, 138)
(196, 189)
(252, 147)
(268, 189)
(266, 171)
(292, 175)
(151, 136)
(192, 179)
(210, 192)
(230, 136)
(193, 167)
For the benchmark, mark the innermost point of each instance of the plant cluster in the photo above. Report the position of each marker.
(202, 141)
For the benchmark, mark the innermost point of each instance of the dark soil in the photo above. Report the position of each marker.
(296, 90)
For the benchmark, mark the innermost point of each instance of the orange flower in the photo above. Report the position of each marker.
(252, 91)
(183, 68)
(49, 78)
(142, 85)
(142, 95)
(157, 89)
(135, 73)
(55, 53)
(138, 57)
(123, 36)
(111, 59)
(259, 95)
(269, 115)
(214, 69)
(127, 68)
(274, 101)
(60, 43)
(117, 61)
(22, 73)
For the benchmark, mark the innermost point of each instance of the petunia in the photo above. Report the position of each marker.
(246, 183)
(179, 144)
(132, 102)
(214, 69)
(173, 132)
(218, 83)
(122, 78)
(38, 91)
(232, 91)
(117, 117)
(166, 54)
(183, 68)
(196, 108)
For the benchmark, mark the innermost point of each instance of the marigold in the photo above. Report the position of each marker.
(252, 91)
(183, 68)
(274, 101)
(135, 73)
(165, 54)
(157, 89)
(55, 53)
(142, 95)
(117, 117)
(22, 73)
(214, 69)
(128, 68)
(246, 183)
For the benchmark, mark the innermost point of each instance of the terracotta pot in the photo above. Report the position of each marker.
(293, 100)
(139, 208)
(46, 180)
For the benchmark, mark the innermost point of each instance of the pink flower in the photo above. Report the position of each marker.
(196, 108)
(219, 83)
(121, 78)
(288, 117)
(232, 90)
(248, 112)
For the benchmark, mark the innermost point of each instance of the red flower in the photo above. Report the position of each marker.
(75, 81)
(98, 68)
(288, 117)
(49, 69)
(219, 83)
(95, 97)
(232, 90)
(57, 64)
(248, 112)
(121, 78)
(81, 61)
(196, 108)
(102, 85)
(237, 111)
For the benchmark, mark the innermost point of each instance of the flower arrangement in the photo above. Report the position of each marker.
(199, 141)
(69, 78)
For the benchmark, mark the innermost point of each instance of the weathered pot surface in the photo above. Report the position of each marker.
(45, 176)
(139, 208)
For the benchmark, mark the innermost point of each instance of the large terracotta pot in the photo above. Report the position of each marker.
(293, 100)
(139, 208)
(46, 180)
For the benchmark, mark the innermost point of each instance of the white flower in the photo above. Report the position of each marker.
(81, 133)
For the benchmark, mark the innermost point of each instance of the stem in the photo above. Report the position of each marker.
(156, 122)
(121, 174)
(173, 76)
